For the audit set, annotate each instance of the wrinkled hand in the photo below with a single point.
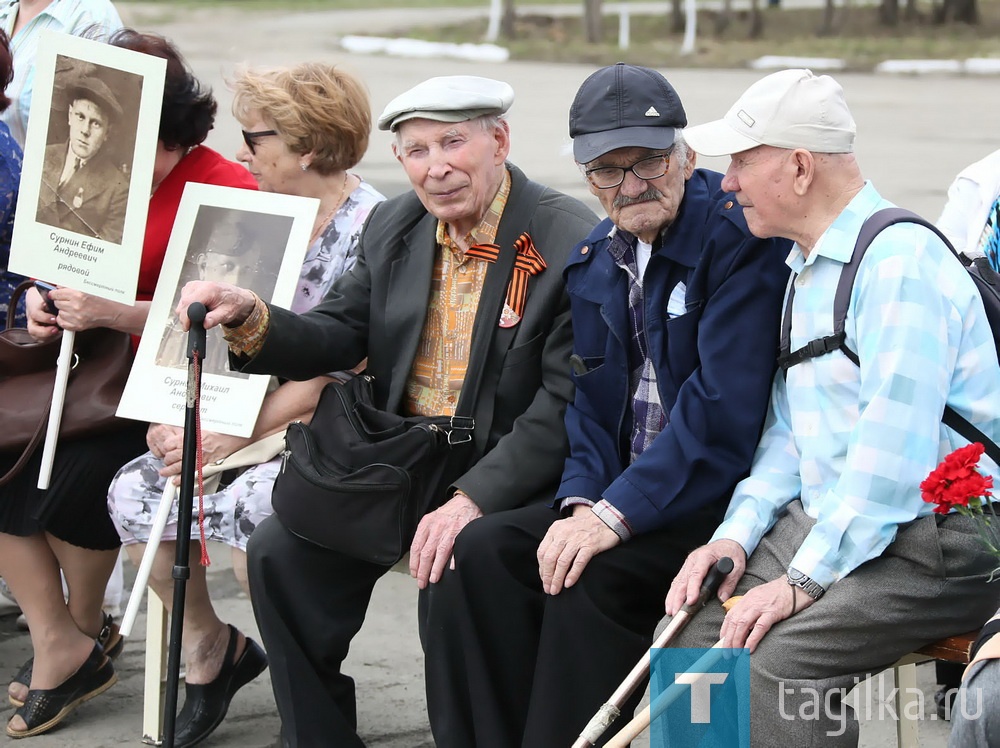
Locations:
(80, 311)
(758, 610)
(435, 538)
(41, 324)
(226, 304)
(568, 547)
(162, 438)
(687, 584)
(167, 444)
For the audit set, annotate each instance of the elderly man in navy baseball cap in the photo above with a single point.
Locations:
(675, 309)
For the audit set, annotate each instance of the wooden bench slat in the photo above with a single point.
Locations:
(953, 648)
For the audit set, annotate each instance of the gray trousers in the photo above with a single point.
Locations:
(975, 718)
(929, 583)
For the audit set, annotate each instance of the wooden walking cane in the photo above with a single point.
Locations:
(611, 710)
(182, 569)
(645, 718)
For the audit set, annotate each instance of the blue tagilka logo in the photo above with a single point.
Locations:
(700, 698)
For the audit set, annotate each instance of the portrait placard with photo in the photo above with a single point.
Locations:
(88, 166)
(250, 239)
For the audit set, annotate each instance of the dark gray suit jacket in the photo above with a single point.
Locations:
(378, 310)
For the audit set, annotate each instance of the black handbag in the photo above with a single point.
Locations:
(358, 479)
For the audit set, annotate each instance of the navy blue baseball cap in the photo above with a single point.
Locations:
(622, 106)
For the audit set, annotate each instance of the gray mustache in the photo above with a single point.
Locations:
(622, 201)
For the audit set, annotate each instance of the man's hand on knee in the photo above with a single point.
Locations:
(435, 538)
(569, 545)
(687, 584)
(758, 610)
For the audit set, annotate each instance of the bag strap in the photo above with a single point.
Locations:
(15, 297)
(872, 227)
(522, 202)
(33, 444)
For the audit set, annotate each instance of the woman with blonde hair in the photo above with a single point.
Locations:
(304, 129)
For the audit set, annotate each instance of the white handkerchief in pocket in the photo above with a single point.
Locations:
(677, 303)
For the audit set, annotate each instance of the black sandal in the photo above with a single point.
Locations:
(110, 639)
(46, 708)
(205, 705)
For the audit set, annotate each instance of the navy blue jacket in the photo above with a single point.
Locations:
(714, 363)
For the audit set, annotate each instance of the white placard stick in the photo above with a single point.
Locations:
(148, 556)
(64, 364)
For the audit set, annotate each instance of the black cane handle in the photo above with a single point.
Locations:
(196, 336)
(710, 586)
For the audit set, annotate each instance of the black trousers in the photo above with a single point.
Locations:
(309, 603)
(507, 665)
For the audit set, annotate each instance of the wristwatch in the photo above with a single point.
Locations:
(797, 579)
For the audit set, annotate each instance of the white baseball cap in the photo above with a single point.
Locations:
(788, 109)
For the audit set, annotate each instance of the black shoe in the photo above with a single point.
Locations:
(205, 706)
(46, 708)
(944, 701)
(110, 639)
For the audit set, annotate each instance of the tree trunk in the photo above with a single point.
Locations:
(960, 11)
(888, 12)
(677, 16)
(826, 29)
(592, 21)
(756, 20)
(722, 18)
(507, 19)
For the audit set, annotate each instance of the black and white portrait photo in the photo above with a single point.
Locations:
(240, 247)
(90, 149)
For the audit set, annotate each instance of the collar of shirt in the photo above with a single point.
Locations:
(485, 231)
(837, 242)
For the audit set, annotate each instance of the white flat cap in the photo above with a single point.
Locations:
(450, 98)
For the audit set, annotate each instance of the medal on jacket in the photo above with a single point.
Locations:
(78, 200)
(508, 317)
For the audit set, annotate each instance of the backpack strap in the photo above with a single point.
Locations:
(872, 227)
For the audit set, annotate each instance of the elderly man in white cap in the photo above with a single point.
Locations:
(411, 306)
(841, 565)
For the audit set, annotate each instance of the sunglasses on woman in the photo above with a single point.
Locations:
(248, 138)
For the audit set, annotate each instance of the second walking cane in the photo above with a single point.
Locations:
(610, 711)
(182, 569)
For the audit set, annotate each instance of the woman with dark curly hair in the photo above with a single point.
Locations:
(10, 176)
(67, 526)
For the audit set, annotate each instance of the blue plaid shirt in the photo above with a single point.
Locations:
(855, 443)
(648, 418)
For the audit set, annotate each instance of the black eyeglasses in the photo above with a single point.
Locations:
(248, 138)
(649, 168)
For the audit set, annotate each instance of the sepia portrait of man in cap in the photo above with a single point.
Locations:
(82, 189)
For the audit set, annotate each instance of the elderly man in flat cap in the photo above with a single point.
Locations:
(82, 189)
(841, 565)
(411, 305)
(675, 309)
